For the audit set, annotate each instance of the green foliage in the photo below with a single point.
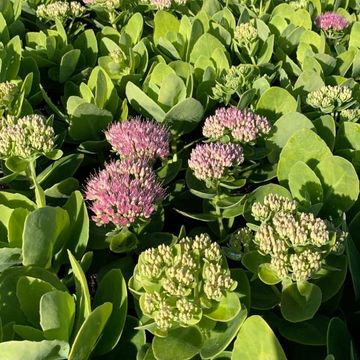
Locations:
(64, 280)
(256, 340)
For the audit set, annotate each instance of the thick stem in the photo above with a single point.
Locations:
(247, 47)
(39, 193)
(112, 18)
(276, 291)
(222, 231)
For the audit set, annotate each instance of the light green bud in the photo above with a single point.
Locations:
(8, 92)
(26, 137)
(186, 276)
(305, 264)
(329, 98)
(245, 33)
(164, 316)
(296, 242)
(352, 115)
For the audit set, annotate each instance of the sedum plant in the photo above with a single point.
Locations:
(139, 139)
(332, 23)
(237, 80)
(236, 126)
(23, 141)
(330, 99)
(214, 162)
(27, 138)
(57, 322)
(106, 10)
(123, 193)
(219, 167)
(292, 248)
(127, 192)
(8, 95)
(182, 283)
(60, 10)
(296, 242)
(164, 4)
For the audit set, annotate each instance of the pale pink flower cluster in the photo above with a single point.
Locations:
(139, 139)
(242, 125)
(165, 4)
(212, 160)
(128, 190)
(331, 21)
(123, 192)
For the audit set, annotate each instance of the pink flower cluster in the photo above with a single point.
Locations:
(242, 125)
(211, 161)
(128, 190)
(123, 192)
(331, 21)
(138, 139)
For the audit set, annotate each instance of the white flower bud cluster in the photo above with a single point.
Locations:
(352, 115)
(245, 33)
(216, 281)
(60, 10)
(164, 4)
(107, 5)
(296, 242)
(237, 79)
(241, 238)
(305, 264)
(329, 98)
(272, 204)
(186, 276)
(339, 244)
(8, 92)
(164, 316)
(117, 55)
(26, 137)
(299, 4)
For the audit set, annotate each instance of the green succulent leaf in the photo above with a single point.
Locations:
(35, 350)
(305, 146)
(226, 310)
(179, 344)
(57, 314)
(90, 332)
(256, 340)
(300, 301)
(112, 288)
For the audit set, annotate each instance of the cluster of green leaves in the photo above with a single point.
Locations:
(63, 280)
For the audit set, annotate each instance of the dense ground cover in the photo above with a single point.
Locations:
(179, 179)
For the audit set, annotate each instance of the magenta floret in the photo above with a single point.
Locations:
(211, 161)
(331, 21)
(123, 192)
(242, 125)
(139, 139)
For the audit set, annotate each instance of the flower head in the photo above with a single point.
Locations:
(299, 4)
(60, 9)
(296, 242)
(124, 192)
(8, 92)
(245, 33)
(178, 281)
(138, 139)
(26, 137)
(352, 115)
(241, 125)
(329, 98)
(108, 5)
(164, 4)
(237, 79)
(331, 21)
(214, 160)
